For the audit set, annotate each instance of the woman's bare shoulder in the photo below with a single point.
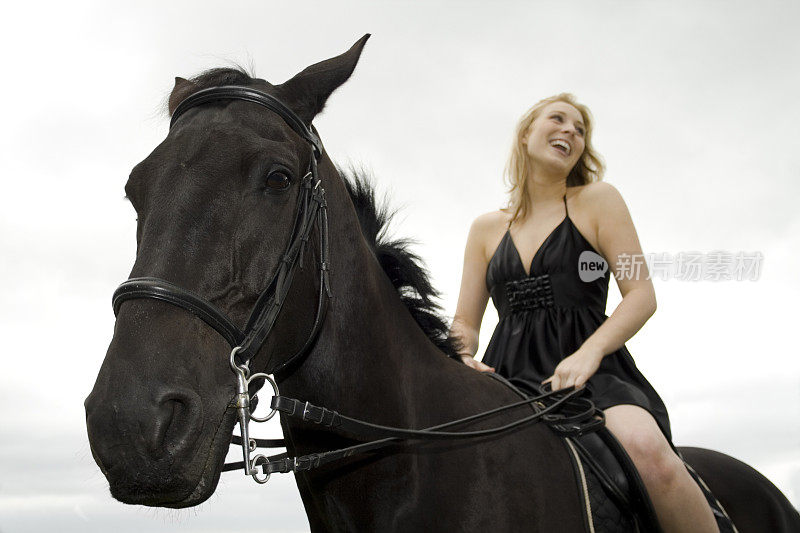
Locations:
(492, 221)
(487, 230)
(595, 190)
(597, 197)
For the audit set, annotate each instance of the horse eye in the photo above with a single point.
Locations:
(278, 181)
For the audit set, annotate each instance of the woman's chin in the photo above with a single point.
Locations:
(555, 165)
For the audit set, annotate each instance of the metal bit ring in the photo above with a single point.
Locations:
(274, 390)
(254, 472)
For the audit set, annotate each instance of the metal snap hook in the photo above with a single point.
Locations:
(243, 369)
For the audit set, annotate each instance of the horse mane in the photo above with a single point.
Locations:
(405, 269)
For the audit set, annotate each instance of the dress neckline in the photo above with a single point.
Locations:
(538, 251)
(541, 246)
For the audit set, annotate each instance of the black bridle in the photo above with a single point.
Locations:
(576, 416)
(311, 208)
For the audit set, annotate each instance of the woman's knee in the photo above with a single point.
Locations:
(657, 464)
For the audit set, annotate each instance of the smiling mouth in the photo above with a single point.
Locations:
(562, 147)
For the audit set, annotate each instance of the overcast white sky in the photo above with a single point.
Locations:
(696, 116)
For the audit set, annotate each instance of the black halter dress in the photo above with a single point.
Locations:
(547, 315)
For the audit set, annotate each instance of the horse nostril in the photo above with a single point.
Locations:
(175, 422)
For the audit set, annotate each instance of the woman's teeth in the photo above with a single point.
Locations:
(560, 145)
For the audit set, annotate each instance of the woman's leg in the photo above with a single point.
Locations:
(678, 501)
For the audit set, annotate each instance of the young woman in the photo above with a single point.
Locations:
(541, 260)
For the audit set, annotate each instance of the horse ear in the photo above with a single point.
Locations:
(180, 91)
(307, 92)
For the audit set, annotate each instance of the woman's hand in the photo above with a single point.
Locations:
(575, 369)
(477, 365)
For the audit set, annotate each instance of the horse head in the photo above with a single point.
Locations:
(217, 205)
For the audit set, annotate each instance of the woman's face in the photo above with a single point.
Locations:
(555, 140)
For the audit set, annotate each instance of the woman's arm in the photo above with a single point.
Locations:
(473, 296)
(616, 238)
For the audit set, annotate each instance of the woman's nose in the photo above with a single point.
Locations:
(569, 129)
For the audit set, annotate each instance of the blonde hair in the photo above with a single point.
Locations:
(589, 168)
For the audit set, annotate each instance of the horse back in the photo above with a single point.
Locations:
(751, 500)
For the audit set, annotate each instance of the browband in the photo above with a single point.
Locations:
(248, 94)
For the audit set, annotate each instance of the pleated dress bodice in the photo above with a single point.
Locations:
(557, 259)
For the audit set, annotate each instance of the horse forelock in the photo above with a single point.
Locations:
(214, 77)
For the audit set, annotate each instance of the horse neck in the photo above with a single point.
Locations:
(370, 349)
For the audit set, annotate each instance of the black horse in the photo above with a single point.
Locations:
(216, 204)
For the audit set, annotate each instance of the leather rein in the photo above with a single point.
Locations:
(576, 415)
